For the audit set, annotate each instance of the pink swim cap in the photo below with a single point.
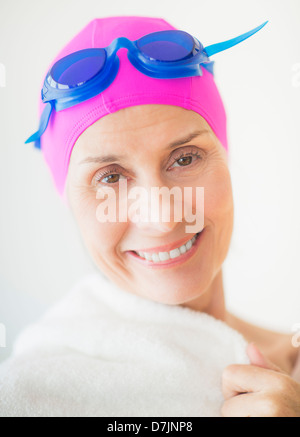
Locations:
(130, 88)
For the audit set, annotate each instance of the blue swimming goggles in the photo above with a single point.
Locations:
(83, 74)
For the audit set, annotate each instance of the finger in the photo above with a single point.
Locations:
(246, 405)
(247, 378)
(258, 359)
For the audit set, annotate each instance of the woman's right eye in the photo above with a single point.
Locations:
(107, 177)
(111, 178)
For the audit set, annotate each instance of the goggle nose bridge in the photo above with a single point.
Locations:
(119, 43)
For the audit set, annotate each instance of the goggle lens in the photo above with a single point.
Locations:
(167, 45)
(73, 70)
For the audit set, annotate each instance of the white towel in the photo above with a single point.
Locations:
(104, 352)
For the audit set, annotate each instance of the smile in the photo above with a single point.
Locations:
(170, 258)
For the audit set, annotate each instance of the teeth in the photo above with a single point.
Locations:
(164, 256)
(146, 255)
(182, 249)
(174, 253)
(155, 257)
(189, 244)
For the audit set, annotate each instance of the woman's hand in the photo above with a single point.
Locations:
(259, 389)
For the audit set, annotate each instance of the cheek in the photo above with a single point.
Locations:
(218, 207)
(218, 200)
(218, 213)
(100, 237)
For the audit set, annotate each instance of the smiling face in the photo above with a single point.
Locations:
(139, 137)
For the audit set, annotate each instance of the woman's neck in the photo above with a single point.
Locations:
(211, 301)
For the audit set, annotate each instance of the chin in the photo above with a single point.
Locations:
(175, 295)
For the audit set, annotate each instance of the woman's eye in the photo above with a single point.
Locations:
(107, 177)
(112, 178)
(186, 160)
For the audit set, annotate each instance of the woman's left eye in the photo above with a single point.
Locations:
(185, 159)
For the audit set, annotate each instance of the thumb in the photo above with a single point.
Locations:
(258, 359)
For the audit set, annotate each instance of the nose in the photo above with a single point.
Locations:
(156, 211)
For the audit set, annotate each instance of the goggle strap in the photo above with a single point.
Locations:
(219, 47)
(43, 125)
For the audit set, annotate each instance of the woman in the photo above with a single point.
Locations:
(156, 338)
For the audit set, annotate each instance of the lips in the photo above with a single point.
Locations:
(164, 260)
(167, 247)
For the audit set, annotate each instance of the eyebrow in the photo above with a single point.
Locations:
(172, 145)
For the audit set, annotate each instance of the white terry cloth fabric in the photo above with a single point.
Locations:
(104, 352)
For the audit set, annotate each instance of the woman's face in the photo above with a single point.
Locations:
(140, 137)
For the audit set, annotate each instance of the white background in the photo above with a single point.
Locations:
(41, 254)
